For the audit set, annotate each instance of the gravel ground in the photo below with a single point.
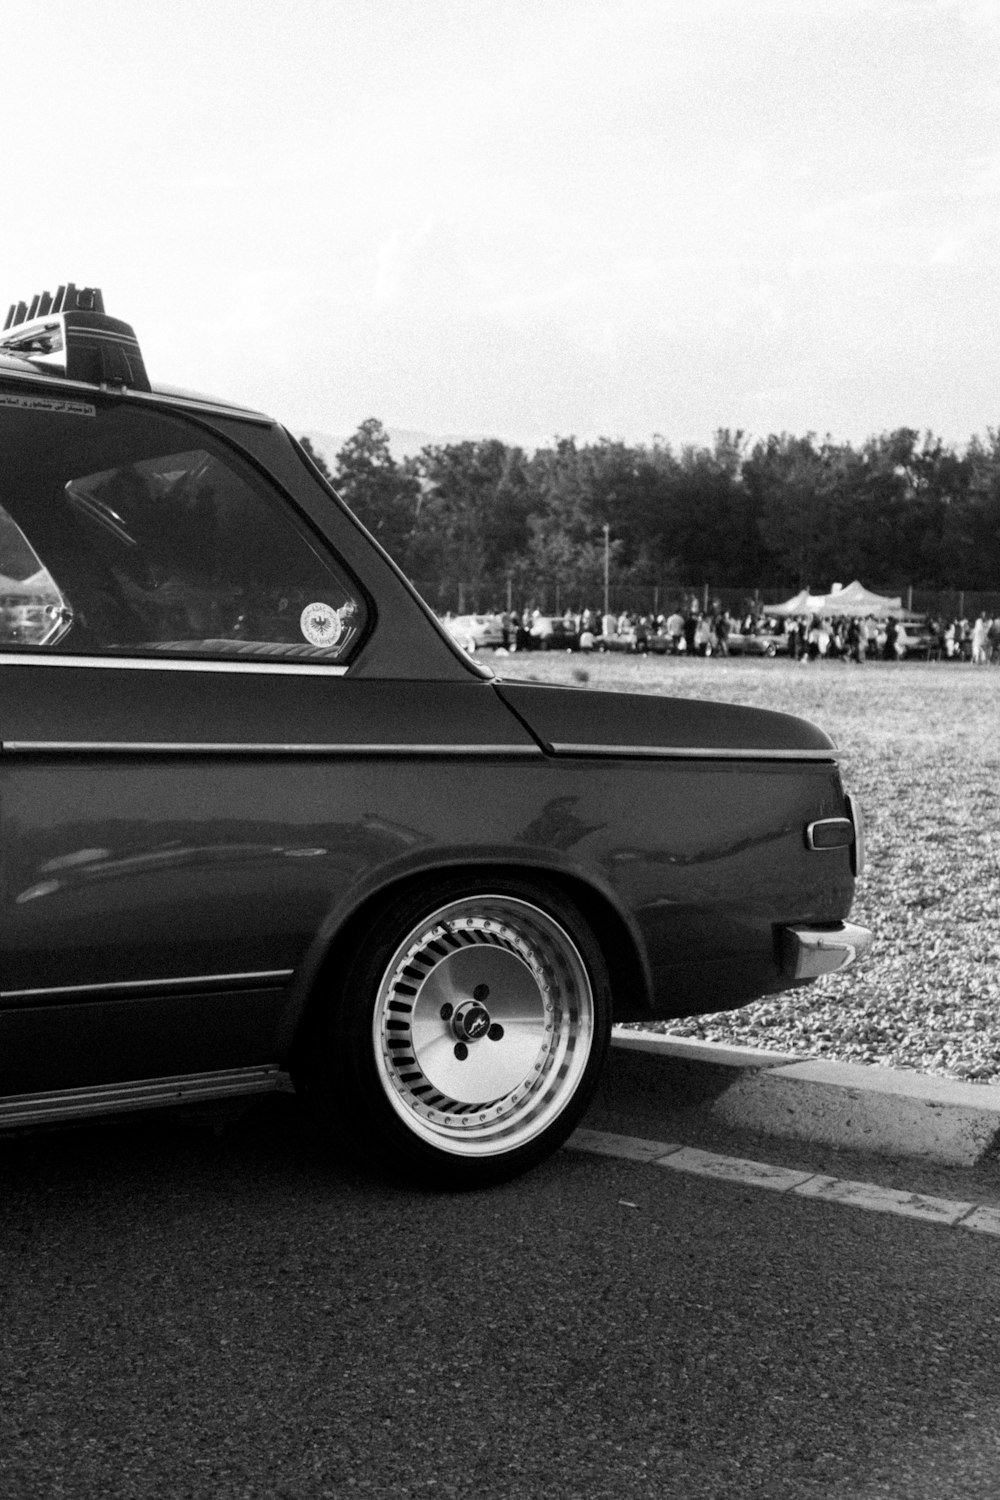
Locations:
(921, 750)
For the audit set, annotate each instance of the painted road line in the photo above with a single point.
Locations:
(735, 1169)
(986, 1220)
(884, 1200)
(867, 1195)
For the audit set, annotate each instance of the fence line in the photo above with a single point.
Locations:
(554, 598)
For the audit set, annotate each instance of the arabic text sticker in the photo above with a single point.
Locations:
(321, 624)
(50, 403)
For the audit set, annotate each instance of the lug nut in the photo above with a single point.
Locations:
(481, 992)
(461, 1051)
(495, 1032)
(447, 1011)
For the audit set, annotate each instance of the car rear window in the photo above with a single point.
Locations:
(129, 531)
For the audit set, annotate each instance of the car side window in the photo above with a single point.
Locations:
(130, 531)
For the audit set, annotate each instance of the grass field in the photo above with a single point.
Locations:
(920, 747)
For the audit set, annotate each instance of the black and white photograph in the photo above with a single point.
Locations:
(500, 750)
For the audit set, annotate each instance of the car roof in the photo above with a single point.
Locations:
(68, 341)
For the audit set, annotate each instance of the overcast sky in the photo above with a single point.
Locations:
(524, 218)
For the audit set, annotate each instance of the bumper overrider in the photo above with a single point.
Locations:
(807, 952)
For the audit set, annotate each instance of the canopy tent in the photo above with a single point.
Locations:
(802, 603)
(855, 599)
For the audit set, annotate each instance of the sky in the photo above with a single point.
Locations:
(526, 218)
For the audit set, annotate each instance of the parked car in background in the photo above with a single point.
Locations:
(631, 641)
(916, 640)
(553, 633)
(261, 817)
(761, 641)
(475, 632)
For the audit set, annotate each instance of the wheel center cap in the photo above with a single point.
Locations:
(470, 1021)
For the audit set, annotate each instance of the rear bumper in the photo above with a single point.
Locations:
(808, 952)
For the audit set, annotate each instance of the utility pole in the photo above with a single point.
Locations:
(607, 559)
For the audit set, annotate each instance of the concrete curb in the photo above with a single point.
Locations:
(882, 1110)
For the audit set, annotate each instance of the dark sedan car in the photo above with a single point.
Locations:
(260, 815)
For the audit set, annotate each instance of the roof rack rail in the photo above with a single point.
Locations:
(71, 335)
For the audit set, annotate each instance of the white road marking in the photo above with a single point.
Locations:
(867, 1195)
(735, 1169)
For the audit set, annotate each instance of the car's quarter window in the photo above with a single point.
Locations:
(32, 610)
(125, 530)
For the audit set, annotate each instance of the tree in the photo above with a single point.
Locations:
(383, 495)
(474, 516)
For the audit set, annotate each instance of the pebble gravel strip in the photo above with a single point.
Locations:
(868, 1195)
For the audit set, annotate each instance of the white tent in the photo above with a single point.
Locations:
(802, 603)
(854, 599)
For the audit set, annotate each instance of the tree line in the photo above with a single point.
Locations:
(475, 523)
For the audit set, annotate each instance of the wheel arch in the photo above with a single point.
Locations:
(628, 970)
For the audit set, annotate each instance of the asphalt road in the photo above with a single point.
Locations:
(186, 1314)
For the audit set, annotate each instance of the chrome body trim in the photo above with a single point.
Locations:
(170, 747)
(158, 986)
(142, 1093)
(690, 752)
(269, 667)
(808, 952)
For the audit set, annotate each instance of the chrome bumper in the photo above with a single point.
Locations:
(808, 952)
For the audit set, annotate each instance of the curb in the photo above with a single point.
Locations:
(886, 1111)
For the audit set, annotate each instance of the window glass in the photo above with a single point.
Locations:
(128, 531)
(32, 610)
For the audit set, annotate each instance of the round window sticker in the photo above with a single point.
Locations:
(321, 624)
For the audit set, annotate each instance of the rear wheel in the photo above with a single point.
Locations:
(467, 1035)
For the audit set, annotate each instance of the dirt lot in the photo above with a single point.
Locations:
(921, 749)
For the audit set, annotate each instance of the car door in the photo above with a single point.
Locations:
(184, 788)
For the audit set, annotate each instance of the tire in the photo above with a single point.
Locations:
(467, 1036)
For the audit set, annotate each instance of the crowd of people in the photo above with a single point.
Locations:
(717, 632)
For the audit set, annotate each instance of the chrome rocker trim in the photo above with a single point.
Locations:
(809, 952)
(143, 1093)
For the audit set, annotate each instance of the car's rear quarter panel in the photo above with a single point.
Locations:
(128, 865)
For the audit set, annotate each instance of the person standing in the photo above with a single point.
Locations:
(980, 636)
(891, 635)
(993, 641)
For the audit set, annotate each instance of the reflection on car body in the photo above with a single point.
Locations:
(260, 815)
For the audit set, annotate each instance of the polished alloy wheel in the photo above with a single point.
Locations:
(483, 1025)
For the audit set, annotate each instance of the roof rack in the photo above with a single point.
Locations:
(71, 335)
